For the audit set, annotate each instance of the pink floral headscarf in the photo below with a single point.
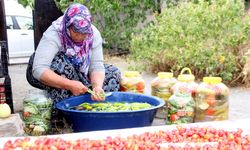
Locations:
(79, 17)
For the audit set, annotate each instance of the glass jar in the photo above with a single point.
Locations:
(212, 100)
(2, 91)
(160, 87)
(185, 83)
(132, 81)
(181, 108)
(37, 113)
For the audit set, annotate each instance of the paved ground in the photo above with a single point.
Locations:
(239, 97)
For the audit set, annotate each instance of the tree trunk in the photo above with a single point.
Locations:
(3, 40)
(45, 12)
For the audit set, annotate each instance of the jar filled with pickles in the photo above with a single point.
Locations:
(185, 83)
(132, 81)
(160, 87)
(37, 109)
(212, 100)
(181, 108)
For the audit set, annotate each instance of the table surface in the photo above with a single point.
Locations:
(243, 124)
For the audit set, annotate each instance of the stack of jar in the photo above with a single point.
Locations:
(212, 100)
(181, 105)
(132, 81)
(186, 101)
(160, 87)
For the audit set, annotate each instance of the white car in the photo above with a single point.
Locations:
(20, 36)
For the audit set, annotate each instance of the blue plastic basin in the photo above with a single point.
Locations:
(91, 121)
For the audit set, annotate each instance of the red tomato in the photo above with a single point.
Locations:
(8, 145)
(140, 86)
(226, 140)
(211, 100)
(26, 114)
(122, 88)
(210, 111)
(173, 117)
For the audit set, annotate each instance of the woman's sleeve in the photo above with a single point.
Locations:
(45, 52)
(96, 60)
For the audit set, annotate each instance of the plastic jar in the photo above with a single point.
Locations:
(132, 81)
(185, 83)
(37, 113)
(160, 87)
(212, 100)
(181, 109)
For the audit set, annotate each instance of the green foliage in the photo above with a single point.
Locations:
(27, 3)
(207, 37)
(115, 19)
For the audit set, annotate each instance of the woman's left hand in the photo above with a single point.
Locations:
(99, 94)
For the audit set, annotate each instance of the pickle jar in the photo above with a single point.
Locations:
(212, 100)
(37, 109)
(132, 81)
(185, 83)
(181, 109)
(160, 87)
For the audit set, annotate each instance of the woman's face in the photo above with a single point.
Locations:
(75, 36)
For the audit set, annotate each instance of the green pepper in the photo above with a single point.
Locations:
(112, 107)
(172, 110)
(173, 103)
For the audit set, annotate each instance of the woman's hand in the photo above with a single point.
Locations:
(97, 78)
(77, 88)
(99, 94)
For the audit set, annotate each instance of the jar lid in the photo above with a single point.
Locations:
(131, 73)
(186, 77)
(212, 80)
(165, 74)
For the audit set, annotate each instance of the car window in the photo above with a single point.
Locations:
(9, 22)
(24, 22)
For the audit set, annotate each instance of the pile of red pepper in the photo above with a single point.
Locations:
(226, 140)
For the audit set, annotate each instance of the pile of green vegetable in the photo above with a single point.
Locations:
(112, 107)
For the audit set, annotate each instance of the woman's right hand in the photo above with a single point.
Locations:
(77, 88)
